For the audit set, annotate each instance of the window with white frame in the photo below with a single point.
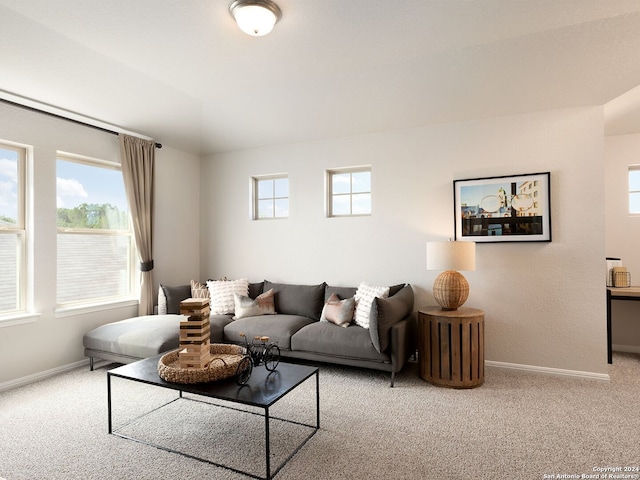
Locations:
(349, 192)
(13, 230)
(95, 247)
(270, 197)
(634, 189)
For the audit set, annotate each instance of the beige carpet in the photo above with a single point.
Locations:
(515, 426)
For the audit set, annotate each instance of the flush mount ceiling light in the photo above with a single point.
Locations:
(255, 17)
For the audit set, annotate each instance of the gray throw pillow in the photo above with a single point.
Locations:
(255, 289)
(385, 313)
(305, 300)
(175, 295)
(393, 289)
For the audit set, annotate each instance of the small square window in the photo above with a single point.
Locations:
(634, 190)
(271, 197)
(634, 202)
(349, 192)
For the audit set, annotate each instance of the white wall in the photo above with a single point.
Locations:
(544, 302)
(52, 342)
(177, 220)
(623, 234)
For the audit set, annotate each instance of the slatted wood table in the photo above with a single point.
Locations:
(451, 346)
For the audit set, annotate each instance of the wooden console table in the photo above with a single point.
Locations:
(619, 293)
(451, 346)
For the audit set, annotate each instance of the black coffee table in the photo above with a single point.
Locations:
(258, 392)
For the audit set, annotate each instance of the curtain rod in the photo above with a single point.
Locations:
(61, 117)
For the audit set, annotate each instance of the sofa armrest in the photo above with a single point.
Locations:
(403, 339)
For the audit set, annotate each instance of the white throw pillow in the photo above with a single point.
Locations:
(364, 296)
(162, 301)
(221, 293)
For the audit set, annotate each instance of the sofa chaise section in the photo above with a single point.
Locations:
(133, 339)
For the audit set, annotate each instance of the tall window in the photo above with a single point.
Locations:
(634, 189)
(270, 197)
(13, 232)
(349, 192)
(95, 239)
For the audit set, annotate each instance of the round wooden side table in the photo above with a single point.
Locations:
(451, 346)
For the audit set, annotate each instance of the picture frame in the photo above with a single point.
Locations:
(510, 208)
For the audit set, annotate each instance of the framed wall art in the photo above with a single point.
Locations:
(514, 208)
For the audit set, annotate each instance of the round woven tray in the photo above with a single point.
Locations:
(224, 362)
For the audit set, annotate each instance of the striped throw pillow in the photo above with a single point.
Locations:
(365, 296)
(221, 293)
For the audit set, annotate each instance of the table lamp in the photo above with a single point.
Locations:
(450, 288)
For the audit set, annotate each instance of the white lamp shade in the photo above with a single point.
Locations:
(451, 256)
(255, 20)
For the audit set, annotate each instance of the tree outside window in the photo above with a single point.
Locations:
(95, 254)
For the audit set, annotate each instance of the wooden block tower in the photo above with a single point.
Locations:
(195, 333)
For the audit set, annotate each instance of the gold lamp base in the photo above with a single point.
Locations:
(450, 289)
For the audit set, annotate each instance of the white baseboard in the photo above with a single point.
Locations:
(18, 382)
(509, 366)
(625, 348)
(604, 377)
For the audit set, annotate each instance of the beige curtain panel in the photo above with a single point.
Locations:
(137, 157)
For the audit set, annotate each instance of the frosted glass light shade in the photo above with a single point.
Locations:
(451, 256)
(255, 17)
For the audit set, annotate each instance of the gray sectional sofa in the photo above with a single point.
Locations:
(299, 328)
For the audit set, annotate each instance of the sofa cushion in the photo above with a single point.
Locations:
(328, 339)
(386, 312)
(279, 328)
(248, 307)
(364, 298)
(173, 296)
(138, 337)
(221, 293)
(305, 300)
(338, 312)
(341, 292)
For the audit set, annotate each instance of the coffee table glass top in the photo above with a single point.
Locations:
(263, 389)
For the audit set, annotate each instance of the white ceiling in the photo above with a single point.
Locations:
(183, 73)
